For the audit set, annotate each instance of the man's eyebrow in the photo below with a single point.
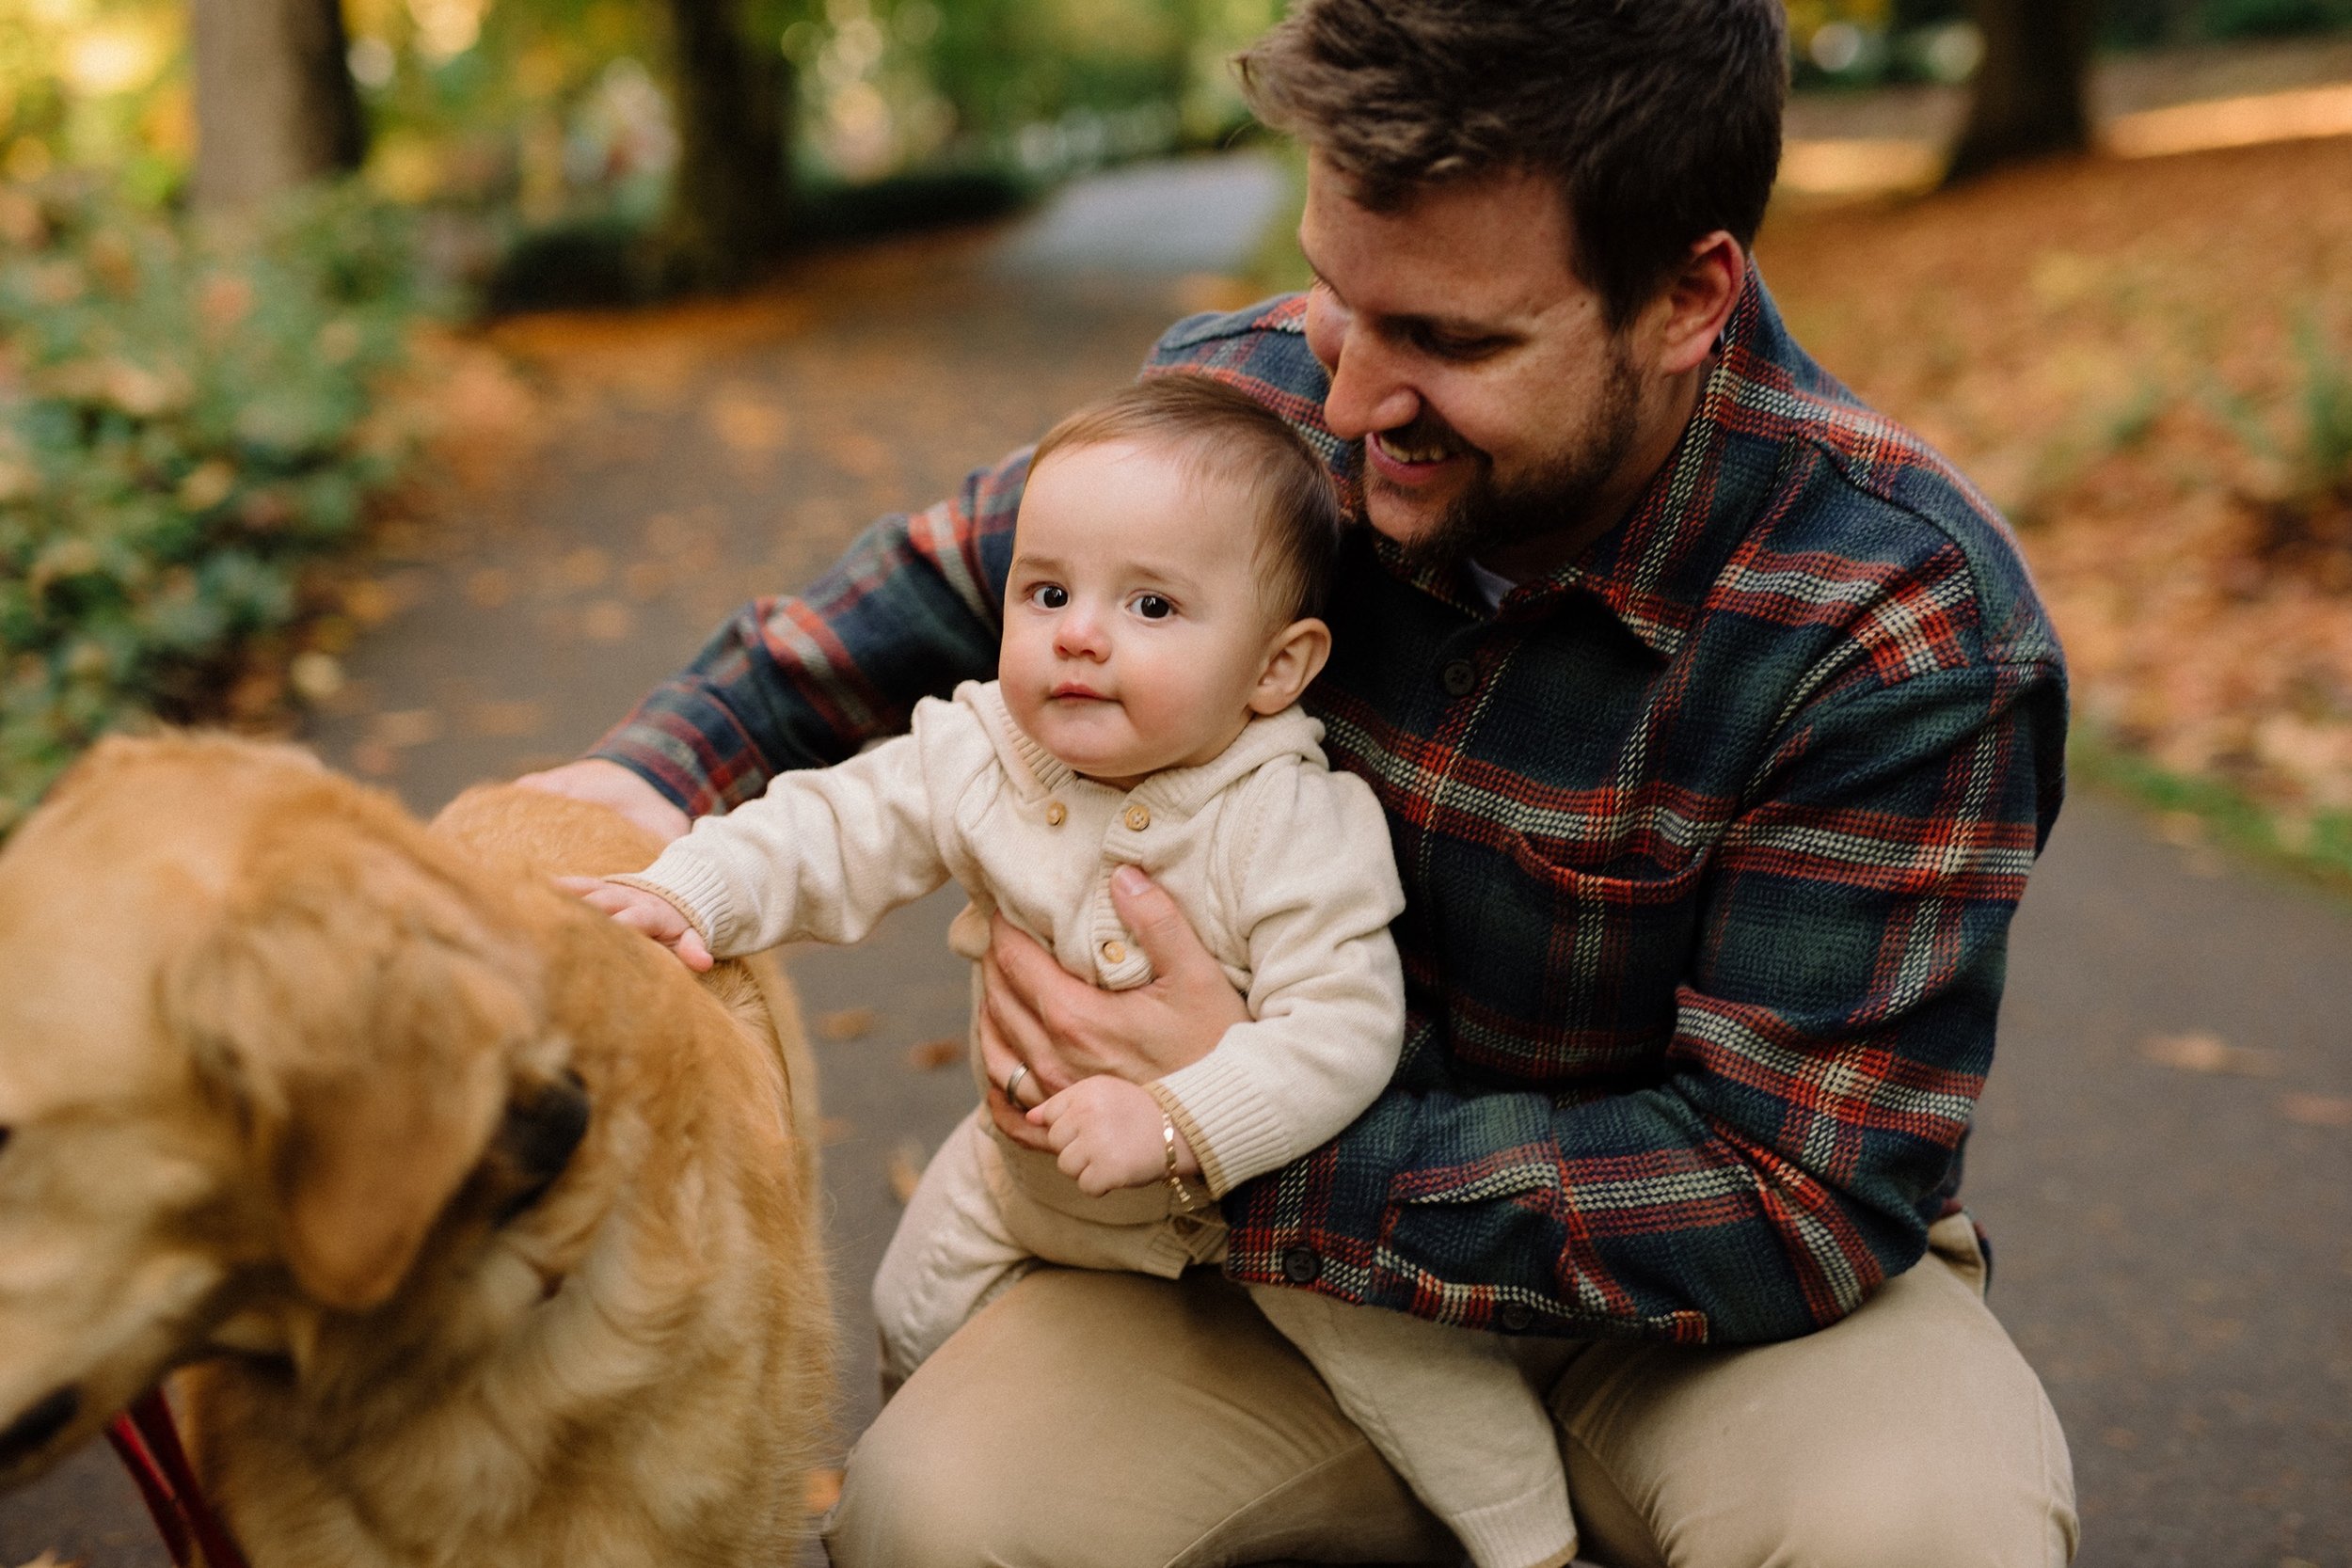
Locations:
(1451, 327)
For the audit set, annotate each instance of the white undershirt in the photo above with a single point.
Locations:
(1491, 586)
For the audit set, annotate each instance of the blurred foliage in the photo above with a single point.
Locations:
(1865, 42)
(542, 111)
(538, 113)
(184, 424)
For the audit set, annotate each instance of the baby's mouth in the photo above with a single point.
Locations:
(1077, 691)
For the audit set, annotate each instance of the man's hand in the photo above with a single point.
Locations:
(1036, 1014)
(608, 784)
(647, 912)
(1110, 1133)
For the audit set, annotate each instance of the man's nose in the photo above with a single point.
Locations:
(1368, 390)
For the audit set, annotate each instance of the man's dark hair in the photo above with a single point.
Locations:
(1222, 431)
(1659, 119)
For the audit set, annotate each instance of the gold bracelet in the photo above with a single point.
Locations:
(1175, 1183)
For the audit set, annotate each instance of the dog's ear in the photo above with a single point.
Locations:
(362, 1017)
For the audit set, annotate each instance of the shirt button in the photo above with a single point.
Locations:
(1459, 677)
(1114, 952)
(1300, 1265)
(1516, 1316)
(1138, 817)
(1056, 814)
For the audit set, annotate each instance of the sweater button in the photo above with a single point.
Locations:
(1300, 1265)
(1056, 814)
(1114, 952)
(1516, 1316)
(1138, 817)
(1459, 677)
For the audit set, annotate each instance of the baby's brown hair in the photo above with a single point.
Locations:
(1226, 433)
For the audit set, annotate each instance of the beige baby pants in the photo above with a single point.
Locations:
(1452, 1410)
(1108, 1421)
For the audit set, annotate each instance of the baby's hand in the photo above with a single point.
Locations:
(648, 912)
(1109, 1134)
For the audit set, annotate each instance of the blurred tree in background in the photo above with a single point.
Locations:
(275, 104)
(2032, 94)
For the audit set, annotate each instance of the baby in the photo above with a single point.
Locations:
(1172, 551)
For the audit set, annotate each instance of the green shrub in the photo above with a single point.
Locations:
(183, 423)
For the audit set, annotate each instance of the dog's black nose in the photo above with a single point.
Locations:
(48, 1417)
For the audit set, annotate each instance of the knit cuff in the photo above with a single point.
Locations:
(691, 885)
(1535, 1530)
(1232, 1127)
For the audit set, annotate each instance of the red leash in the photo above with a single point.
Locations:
(149, 1444)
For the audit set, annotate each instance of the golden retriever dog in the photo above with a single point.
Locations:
(486, 1234)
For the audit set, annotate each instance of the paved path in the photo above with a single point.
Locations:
(2174, 1243)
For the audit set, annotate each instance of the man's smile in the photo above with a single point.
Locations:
(1414, 454)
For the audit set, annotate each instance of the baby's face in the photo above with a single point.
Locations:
(1134, 635)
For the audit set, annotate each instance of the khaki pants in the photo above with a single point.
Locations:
(1108, 1421)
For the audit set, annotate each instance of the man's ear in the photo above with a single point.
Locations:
(1294, 659)
(362, 1019)
(1688, 315)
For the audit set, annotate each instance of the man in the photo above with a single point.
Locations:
(1717, 725)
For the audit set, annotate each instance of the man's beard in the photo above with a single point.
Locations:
(1555, 499)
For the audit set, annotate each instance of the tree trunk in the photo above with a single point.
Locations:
(275, 104)
(2032, 91)
(730, 196)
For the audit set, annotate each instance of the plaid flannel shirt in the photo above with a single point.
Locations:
(1709, 842)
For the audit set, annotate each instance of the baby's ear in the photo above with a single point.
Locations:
(1294, 659)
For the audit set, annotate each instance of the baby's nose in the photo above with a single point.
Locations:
(1079, 633)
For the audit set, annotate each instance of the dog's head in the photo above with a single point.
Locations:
(257, 1030)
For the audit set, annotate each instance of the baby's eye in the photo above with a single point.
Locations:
(1049, 596)
(1153, 607)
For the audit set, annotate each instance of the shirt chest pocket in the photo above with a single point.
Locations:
(1591, 957)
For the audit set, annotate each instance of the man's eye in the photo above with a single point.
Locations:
(1151, 606)
(1049, 596)
(1446, 345)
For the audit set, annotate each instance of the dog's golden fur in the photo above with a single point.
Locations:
(296, 1091)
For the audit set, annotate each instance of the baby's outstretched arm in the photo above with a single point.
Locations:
(647, 912)
(1110, 1133)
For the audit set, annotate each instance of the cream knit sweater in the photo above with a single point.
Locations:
(1282, 866)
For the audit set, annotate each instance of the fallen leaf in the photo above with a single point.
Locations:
(2183, 829)
(857, 454)
(906, 1169)
(645, 579)
(489, 587)
(316, 676)
(584, 568)
(607, 621)
(2317, 1110)
(748, 423)
(834, 1129)
(370, 602)
(376, 759)
(849, 1024)
(2209, 1053)
(821, 1490)
(51, 1560)
(1196, 291)
(406, 727)
(509, 720)
(2119, 1437)
(933, 1054)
